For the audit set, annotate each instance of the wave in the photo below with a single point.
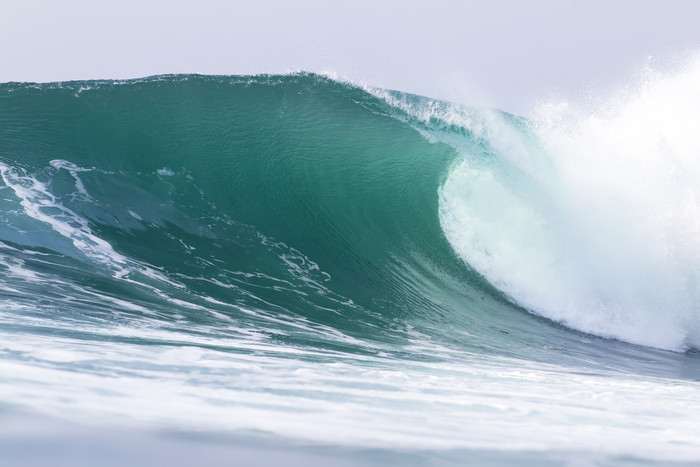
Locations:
(318, 213)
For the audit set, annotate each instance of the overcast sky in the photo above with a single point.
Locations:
(502, 53)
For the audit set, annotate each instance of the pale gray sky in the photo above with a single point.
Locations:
(505, 53)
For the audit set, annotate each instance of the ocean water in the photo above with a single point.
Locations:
(258, 270)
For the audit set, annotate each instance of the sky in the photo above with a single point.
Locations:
(508, 54)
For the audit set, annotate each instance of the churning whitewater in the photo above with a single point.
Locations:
(591, 218)
(345, 265)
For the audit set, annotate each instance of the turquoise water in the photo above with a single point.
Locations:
(347, 267)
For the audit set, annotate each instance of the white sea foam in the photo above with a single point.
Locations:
(40, 204)
(73, 170)
(594, 218)
(366, 402)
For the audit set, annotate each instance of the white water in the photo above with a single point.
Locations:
(593, 218)
(488, 403)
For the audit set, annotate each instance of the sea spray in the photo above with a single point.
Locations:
(605, 236)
